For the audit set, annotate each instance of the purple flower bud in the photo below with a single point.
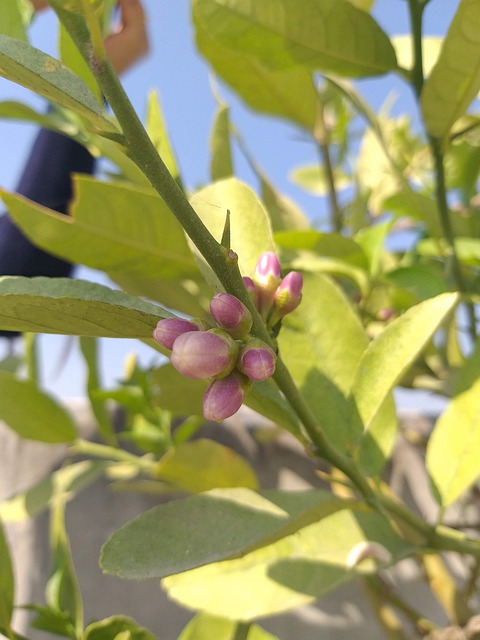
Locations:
(224, 397)
(168, 330)
(252, 290)
(287, 296)
(257, 360)
(204, 354)
(231, 315)
(267, 277)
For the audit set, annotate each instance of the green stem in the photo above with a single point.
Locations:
(242, 631)
(105, 452)
(448, 233)
(322, 138)
(416, 9)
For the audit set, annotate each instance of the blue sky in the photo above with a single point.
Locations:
(182, 80)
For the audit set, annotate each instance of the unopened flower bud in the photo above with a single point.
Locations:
(168, 330)
(231, 315)
(257, 360)
(267, 278)
(204, 354)
(224, 397)
(287, 297)
(252, 290)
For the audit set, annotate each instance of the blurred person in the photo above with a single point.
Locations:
(46, 178)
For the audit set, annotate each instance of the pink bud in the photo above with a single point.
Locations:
(287, 297)
(204, 354)
(168, 330)
(257, 360)
(231, 315)
(252, 290)
(224, 397)
(267, 277)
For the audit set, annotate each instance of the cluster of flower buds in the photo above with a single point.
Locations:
(273, 295)
(225, 352)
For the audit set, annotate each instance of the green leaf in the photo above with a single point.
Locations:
(176, 393)
(265, 398)
(7, 583)
(74, 307)
(205, 627)
(70, 480)
(114, 227)
(62, 591)
(40, 418)
(453, 450)
(71, 57)
(117, 628)
(246, 213)
(321, 343)
(312, 178)
(11, 20)
(158, 133)
(288, 93)
(322, 35)
(221, 164)
(391, 354)
(284, 214)
(153, 545)
(306, 560)
(201, 465)
(455, 79)
(88, 347)
(46, 76)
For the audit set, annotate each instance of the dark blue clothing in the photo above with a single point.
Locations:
(45, 180)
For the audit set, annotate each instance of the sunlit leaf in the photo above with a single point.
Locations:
(201, 465)
(455, 79)
(205, 627)
(157, 131)
(12, 23)
(453, 450)
(246, 213)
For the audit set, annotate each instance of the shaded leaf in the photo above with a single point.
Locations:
(455, 79)
(41, 418)
(7, 584)
(325, 35)
(288, 93)
(153, 545)
(74, 307)
(70, 480)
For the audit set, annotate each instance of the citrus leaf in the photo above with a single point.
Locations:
(74, 307)
(323, 35)
(41, 418)
(455, 79)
